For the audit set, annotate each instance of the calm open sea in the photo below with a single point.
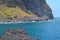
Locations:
(48, 30)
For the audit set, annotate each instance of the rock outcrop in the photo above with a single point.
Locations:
(18, 34)
(38, 8)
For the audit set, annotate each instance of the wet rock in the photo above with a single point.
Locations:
(18, 34)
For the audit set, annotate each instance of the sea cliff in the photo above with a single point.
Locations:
(24, 10)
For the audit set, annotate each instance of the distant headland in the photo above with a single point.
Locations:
(24, 10)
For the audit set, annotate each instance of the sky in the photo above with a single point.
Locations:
(55, 6)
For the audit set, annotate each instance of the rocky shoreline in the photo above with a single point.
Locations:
(18, 34)
(30, 21)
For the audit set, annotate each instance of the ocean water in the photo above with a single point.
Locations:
(47, 30)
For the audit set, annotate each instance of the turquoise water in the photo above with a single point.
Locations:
(49, 30)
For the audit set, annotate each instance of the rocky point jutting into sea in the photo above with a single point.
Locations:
(18, 34)
(24, 10)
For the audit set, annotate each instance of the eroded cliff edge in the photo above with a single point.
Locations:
(25, 10)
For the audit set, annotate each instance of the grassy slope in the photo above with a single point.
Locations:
(6, 12)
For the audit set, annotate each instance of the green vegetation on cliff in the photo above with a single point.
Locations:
(25, 10)
(11, 12)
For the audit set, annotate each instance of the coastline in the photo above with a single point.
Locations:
(14, 22)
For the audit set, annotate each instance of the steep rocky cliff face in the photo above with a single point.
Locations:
(38, 8)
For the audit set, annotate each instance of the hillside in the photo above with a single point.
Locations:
(24, 10)
(9, 13)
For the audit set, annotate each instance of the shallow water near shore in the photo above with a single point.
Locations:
(49, 30)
